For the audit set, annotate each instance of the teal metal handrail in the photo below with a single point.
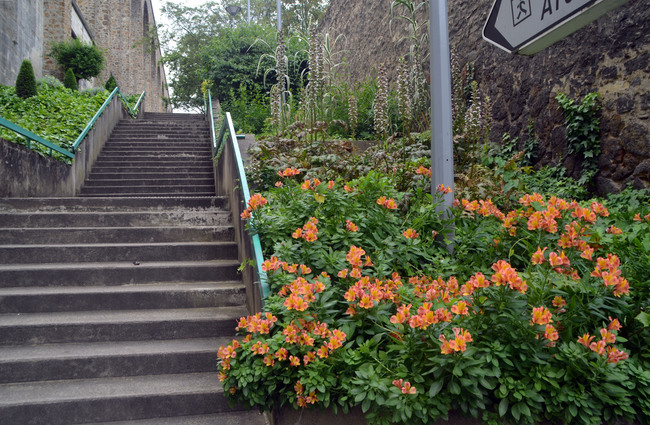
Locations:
(31, 137)
(218, 143)
(91, 123)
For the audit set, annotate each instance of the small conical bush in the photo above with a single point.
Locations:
(25, 81)
(70, 81)
(111, 83)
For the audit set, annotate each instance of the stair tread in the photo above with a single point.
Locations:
(120, 387)
(224, 418)
(116, 265)
(29, 353)
(129, 288)
(121, 316)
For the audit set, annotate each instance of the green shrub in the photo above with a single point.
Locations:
(111, 83)
(25, 81)
(70, 81)
(85, 60)
(50, 81)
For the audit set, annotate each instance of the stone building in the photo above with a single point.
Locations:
(120, 28)
(611, 55)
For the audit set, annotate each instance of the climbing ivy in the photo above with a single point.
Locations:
(582, 124)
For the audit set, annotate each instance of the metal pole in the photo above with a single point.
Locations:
(279, 15)
(249, 12)
(442, 150)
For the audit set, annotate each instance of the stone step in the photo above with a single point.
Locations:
(119, 168)
(152, 181)
(158, 190)
(224, 418)
(113, 219)
(122, 297)
(161, 174)
(134, 147)
(116, 273)
(117, 325)
(118, 252)
(108, 359)
(111, 399)
(137, 194)
(187, 205)
(156, 155)
(62, 235)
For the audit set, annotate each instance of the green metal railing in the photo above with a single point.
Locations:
(31, 137)
(228, 129)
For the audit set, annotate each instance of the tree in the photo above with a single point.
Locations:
(85, 60)
(25, 81)
(70, 81)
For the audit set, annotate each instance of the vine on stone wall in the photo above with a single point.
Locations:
(582, 122)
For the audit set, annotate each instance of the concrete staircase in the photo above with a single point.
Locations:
(113, 305)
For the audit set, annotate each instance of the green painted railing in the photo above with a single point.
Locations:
(91, 123)
(31, 137)
(228, 129)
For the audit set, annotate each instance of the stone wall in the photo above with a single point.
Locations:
(610, 55)
(21, 37)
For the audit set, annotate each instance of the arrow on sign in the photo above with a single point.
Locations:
(528, 26)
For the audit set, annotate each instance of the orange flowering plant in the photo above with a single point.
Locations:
(539, 313)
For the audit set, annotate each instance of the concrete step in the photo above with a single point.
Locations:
(116, 273)
(118, 252)
(224, 418)
(137, 195)
(62, 235)
(111, 399)
(205, 167)
(108, 359)
(113, 204)
(159, 190)
(33, 219)
(148, 156)
(124, 297)
(152, 181)
(162, 174)
(118, 325)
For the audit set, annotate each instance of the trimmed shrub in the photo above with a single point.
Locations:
(70, 81)
(85, 60)
(111, 83)
(25, 81)
(49, 81)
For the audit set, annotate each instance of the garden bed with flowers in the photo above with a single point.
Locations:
(539, 314)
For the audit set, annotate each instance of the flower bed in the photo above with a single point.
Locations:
(540, 314)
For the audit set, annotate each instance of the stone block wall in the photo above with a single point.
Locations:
(21, 37)
(610, 55)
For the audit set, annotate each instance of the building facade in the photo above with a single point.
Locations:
(123, 29)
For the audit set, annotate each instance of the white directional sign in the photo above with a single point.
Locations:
(528, 26)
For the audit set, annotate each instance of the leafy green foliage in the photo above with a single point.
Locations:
(55, 113)
(249, 108)
(86, 60)
(583, 131)
(70, 82)
(25, 81)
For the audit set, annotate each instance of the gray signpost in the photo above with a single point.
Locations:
(528, 26)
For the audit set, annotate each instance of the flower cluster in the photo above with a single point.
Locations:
(505, 274)
(300, 293)
(303, 400)
(458, 343)
(310, 184)
(308, 232)
(256, 201)
(405, 386)
(608, 270)
(601, 347)
(422, 170)
(350, 226)
(388, 203)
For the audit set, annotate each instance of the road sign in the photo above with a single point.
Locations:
(528, 26)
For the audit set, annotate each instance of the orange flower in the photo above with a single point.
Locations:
(281, 354)
(541, 316)
(366, 302)
(298, 388)
(614, 325)
(410, 233)
(423, 171)
(330, 184)
(323, 352)
(538, 256)
(587, 253)
(343, 273)
(586, 340)
(558, 301)
(294, 361)
(279, 184)
(408, 388)
(257, 201)
(460, 308)
(607, 336)
(551, 334)
(614, 230)
(598, 347)
(637, 217)
(443, 189)
(246, 214)
(614, 355)
(350, 226)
